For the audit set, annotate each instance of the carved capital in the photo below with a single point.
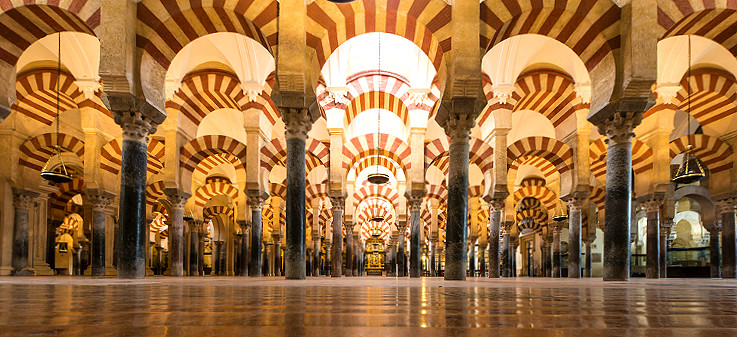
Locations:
(415, 203)
(298, 122)
(726, 205)
(349, 225)
(338, 203)
(256, 202)
(458, 127)
(99, 200)
(576, 202)
(652, 202)
(177, 198)
(136, 116)
(23, 199)
(496, 205)
(619, 127)
(557, 227)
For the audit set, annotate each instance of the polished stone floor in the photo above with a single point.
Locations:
(370, 306)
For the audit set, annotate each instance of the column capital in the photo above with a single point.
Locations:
(99, 199)
(496, 205)
(243, 224)
(23, 199)
(665, 231)
(136, 116)
(256, 202)
(556, 227)
(176, 197)
(576, 200)
(415, 203)
(338, 203)
(458, 127)
(349, 225)
(726, 205)
(652, 202)
(197, 225)
(619, 127)
(298, 122)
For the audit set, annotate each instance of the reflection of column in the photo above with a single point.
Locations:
(257, 203)
(618, 129)
(574, 236)
(22, 200)
(415, 228)
(729, 254)
(336, 263)
(665, 228)
(652, 259)
(495, 218)
(714, 260)
(176, 230)
(556, 250)
(99, 201)
(458, 128)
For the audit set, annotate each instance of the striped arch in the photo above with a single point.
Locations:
(540, 216)
(598, 197)
(268, 214)
(369, 211)
(532, 181)
(279, 190)
(59, 199)
(158, 224)
(71, 222)
(369, 161)
(642, 158)
(528, 224)
(435, 149)
(437, 192)
(35, 152)
(215, 187)
(312, 191)
(549, 92)
(203, 92)
(589, 28)
(200, 148)
(208, 164)
(715, 153)
(212, 211)
(382, 191)
(111, 156)
(713, 95)
(377, 100)
(24, 22)
(557, 153)
(369, 229)
(159, 208)
(154, 192)
(374, 81)
(425, 23)
(274, 153)
(546, 167)
(165, 28)
(362, 146)
(545, 195)
(714, 20)
(480, 154)
(36, 93)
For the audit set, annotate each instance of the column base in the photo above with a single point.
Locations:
(43, 270)
(111, 271)
(5, 271)
(23, 272)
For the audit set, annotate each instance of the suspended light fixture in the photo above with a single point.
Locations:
(378, 178)
(57, 173)
(377, 218)
(691, 169)
(561, 213)
(341, 1)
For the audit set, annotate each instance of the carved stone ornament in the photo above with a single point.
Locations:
(619, 127)
(496, 205)
(23, 199)
(458, 127)
(337, 203)
(298, 122)
(99, 200)
(177, 198)
(135, 127)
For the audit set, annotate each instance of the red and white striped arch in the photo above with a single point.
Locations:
(59, 199)
(542, 193)
(480, 154)
(545, 166)
(194, 152)
(164, 28)
(70, 222)
(313, 191)
(424, 22)
(377, 100)
(539, 215)
(158, 223)
(598, 197)
(715, 153)
(371, 228)
(24, 22)
(589, 28)
(154, 192)
(208, 164)
(395, 84)
(380, 191)
(642, 158)
(549, 92)
(274, 153)
(714, 20)
(556, 152)
(362, 146)
(385, 162)
(212, 211)
(111, 156)
(35, 152)
(278, 189)
(437, 192)
(713, 95)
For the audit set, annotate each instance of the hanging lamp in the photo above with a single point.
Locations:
(378, 178)
(691, 169)
(377, 218)
(341, 1)
(561, 213)
(53, 173)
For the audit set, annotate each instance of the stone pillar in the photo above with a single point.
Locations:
(495, 219)
(415, 244)
(433, 256)
(618, 129)
(245, 240)
(255, 267)
(316, 255)
(482, 261)
(652, 211)
(514, 244)
(176, 230)
(277, 255)
(714, 259)
(665, 228)
(389, 260)
(544, 256)
(22, 201)
(729, 255)
(556, 250)
(356, 253)
(194, 248)
(328, 262)
(506, 259)
(348, 248)
(587, 267)
(336, 263)
(458, 128)
(215, 257)
(574, 236)
(298, 122)
(132, 227)
(400, 254)
(99, 201)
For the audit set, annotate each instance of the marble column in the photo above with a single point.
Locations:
(415, 244)
(328, 266)
(714, 260)
(729, 255)
(514, 244)
(495, 219)
(433, 257)
(348, 248)
(556, 250)
(472, 257)
(618, 129)
(132, 227)
(665, 228)
(400, 255)
(194, 247)
(99, 201)
(298, 122)
(255, 267)
(652, 257)
(482, 261)
(356, 253)
(336, 263)
(389, 260)
(215, 257)
(316, 255)
(457, 127)
(543, 256)
(506, 259)
(177, 199)
(277, 255)
(22, 201)
(574, 236)
(587, 265)
(245, 246)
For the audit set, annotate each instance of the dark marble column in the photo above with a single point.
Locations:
(544, 256)
(714, 259)
(201, 254)
(356, 253)
(574, 236)
(495, 219)
(177, 199)
(457, 127)
(415, 229)
(255, 267)
(388, 261)
(328, 266)
(224, 257)
(665, 228)
(22, 202)
(349, 256)
(400, 255)
(729, 254)
(514, 244)
(652, 211)
(245, 247)
(316, 255)
(215, 257)
(472, 257)
(194, 247)
(618, 129)
(298, 122)
(433, 257)
(482, 261)
(506, 259)
(336, 263)
(587, 265)
(277, 255)
(556, 250)
(132, 227)
(99, 200)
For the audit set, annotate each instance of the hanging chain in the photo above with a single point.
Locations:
(378, 120)
(58, 89)
(688, 89)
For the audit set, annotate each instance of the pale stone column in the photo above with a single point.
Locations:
(415, 244)
(400, 254)
(327, 266)
(257, 203)
(495, 219)
(433, 256)
(99, 201)
(316, 255)
(356, 254)
(506, 258)
(544, 256)
(458, 128)
(43, 242)
(389, 261)
(729, 254)
(514, 244)
(276, 238)
(349, 256)
(177, 199)
(22, 201)
(336, 263)
(618, 129)
(587, 266)
(665, 228)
